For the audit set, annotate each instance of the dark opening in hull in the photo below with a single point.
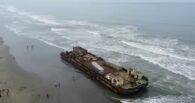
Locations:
(117, 79)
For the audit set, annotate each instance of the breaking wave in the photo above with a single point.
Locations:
(168, 53)
(45, 19)
(156, 50)
(163, 99)
(175, 63)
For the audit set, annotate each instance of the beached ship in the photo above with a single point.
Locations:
(116, 78)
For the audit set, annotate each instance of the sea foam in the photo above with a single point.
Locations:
(159, 56)
(118, 38)
(163, 99)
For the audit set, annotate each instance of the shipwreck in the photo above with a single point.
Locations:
(116, 78)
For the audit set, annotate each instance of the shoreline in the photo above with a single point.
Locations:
(17, 85)
(44, 61)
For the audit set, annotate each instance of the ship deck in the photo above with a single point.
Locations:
(106, 68)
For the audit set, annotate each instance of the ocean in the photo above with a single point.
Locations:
(156, 38)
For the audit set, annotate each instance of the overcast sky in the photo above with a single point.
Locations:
(144, 0)
(83, 1)
(106, 0)
(131, 0)
(161, 0)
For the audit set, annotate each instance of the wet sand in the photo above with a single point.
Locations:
(19, 86)
(43, 62)
(42, 65)
(37, 65)
(42, 70)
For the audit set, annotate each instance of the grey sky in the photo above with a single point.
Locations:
(83, 1)
(110, 0)
(160, 0)
(129, 0)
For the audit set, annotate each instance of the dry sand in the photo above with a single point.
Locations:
(19, 86)
(43, 61)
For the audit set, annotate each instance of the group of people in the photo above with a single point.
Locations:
(57, 85)
(4, 92)
(46, 94)
(29, 47)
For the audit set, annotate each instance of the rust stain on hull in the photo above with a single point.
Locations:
(116, 78)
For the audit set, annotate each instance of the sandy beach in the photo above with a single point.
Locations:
(154, 38)
(41, 71)
(31, 69)
(17, 85)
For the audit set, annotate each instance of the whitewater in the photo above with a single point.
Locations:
(170, 54)
(118, 44)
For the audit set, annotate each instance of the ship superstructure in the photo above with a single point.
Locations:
(116, 78)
